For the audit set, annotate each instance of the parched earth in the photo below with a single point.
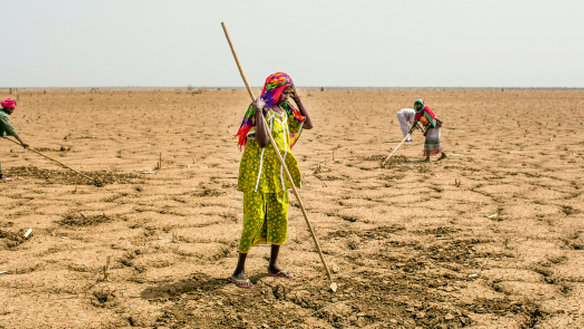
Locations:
(492, 237)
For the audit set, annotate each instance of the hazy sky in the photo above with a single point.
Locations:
(446, 43)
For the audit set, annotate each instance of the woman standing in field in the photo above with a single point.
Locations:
(8, 106)
(261, 175)
(432, 126)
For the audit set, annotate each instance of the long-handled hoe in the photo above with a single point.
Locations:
(400, 144)
(94, 180)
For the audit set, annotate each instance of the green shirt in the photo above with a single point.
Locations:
(6, 125)
(260, 170)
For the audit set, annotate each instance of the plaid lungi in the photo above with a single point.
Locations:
(432, 144)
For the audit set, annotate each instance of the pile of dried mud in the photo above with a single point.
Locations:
(11, 239)
(81, 219)
(394, 161)
(68, 177)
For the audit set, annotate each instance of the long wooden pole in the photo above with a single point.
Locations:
(55, 160)
(237, 62)
(251, 95)
(383, 164)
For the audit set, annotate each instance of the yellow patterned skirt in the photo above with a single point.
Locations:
(265, 219)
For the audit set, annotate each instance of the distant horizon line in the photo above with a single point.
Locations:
(307, 87)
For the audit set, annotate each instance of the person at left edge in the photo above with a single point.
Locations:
(8, 107)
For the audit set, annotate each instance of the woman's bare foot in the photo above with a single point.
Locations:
(277, 271)
(4, 179)
(427, 160)
(241, 280)
(274, 269)
(444, 156)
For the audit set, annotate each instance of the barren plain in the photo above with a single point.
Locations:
(490, 238)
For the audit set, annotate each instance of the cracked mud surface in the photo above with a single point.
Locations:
(409, 247)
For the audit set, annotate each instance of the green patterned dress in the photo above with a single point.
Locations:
(6, 128)
(264, 184)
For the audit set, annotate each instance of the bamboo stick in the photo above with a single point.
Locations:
(237, 62)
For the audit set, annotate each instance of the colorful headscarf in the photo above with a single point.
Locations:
(10, 103)
(421, 102)
(273, 87)
(427, 113)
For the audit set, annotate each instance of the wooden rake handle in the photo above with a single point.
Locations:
(55, 160)
(252, 96)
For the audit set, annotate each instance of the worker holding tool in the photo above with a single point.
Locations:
(406, 122)
(432, 126)
(273, 84)
(8, 107)
(261, 175)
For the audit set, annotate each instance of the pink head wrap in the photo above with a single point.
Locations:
(275, 84)
(8, 103)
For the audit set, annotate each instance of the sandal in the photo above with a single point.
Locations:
(6, 180)
(243, 284)
(282, 274)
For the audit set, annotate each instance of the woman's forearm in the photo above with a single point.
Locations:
(413, 127)
(21, 141)
(308, 122)
(261, 136)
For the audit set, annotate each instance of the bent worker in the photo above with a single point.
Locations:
(261, 175)
(8, 107)
(406, 120)
(432, 126)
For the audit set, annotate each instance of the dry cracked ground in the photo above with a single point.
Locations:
(492, 237)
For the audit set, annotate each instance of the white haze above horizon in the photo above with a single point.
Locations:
(450, 43)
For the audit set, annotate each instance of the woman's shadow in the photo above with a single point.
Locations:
(198, 282)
